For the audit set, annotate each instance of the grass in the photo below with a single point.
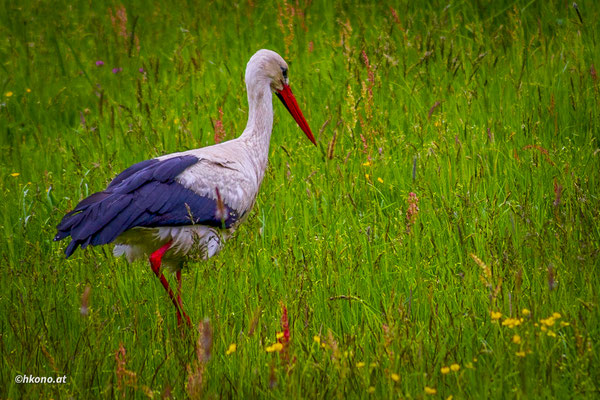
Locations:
(489, 112)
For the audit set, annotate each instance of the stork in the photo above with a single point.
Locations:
(183, 205)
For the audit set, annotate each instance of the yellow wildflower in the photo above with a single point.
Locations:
(28, 90)
(563, 323)
(367, 164)
(279, 335)
(455, 367)
(317, 339)
(496, 315)
(511, 322)
(15, 174)
(449, 397)
(551, 333)
(430, 390)
(232, 348)
(275, 347)
(176, 121)
(379, 180)
(543, 328)
(367, 176)
(445, 370)
(371, 389)
(360, 364)
(395, 377)
(8, 94)
(516, 339)
(520, 354)
(548, 321)
(525, 312)
(556, 315)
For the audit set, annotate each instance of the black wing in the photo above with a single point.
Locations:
(144, 195)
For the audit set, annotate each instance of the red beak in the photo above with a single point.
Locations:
(289, 101)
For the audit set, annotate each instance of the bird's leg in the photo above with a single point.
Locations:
(155, 263)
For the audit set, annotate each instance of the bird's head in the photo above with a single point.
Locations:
(268, 67)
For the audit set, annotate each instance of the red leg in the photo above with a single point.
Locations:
(155, 263)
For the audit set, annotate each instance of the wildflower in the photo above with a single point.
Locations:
(373, 365)
(445, 370)
(548, 321)
(176, 121)
(317, 339)
(395, 377)
(563, 323)
(275, 347)
(455, 367)
(556, 315)
(496, 315)
(279, 335)
(8, 94)
(99, 63)
(371, 389)
(511, 322)
(430, 390)
(28, 90)
(15, 174)
(449, 397)
(285, 326)
(516, 339)
(232, 348)
(117, 70)
(141, 70)
(413, 207)
(520, 354)
(543, 328)
(219, 128)
(525, 312)
(379, 180)
(367, 176)
(367, 164)
(360, 364)
(551, 333)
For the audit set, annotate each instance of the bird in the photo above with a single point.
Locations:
(184, 206)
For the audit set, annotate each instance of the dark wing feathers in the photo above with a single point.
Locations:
(130, 171)
(144, 195)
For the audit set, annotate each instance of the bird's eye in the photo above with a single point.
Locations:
(284, 72)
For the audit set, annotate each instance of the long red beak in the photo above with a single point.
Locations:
(289, 101)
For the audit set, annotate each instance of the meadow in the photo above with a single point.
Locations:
(441, 241)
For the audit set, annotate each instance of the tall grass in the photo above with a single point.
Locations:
(442, 240)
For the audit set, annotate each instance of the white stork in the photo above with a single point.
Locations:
(187, 204)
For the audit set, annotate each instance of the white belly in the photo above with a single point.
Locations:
(189, 242)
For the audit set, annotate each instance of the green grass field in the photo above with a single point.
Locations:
(484, 285)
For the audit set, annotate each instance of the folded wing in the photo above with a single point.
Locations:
(144, 195)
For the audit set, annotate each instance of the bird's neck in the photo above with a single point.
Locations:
(257, 134)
